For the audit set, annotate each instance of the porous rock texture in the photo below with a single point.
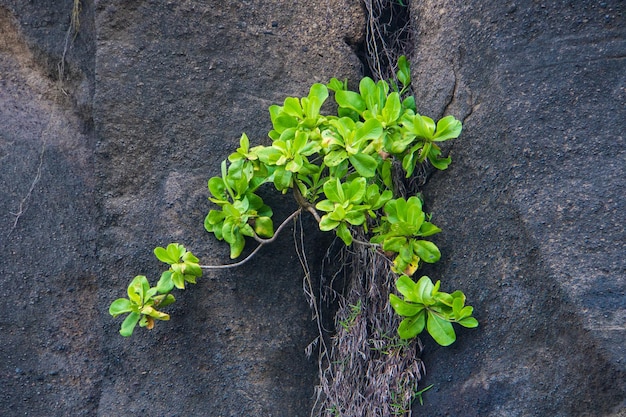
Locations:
(110, 159)
(532, 207)
(107, 156)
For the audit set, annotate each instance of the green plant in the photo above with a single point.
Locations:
(340, 164)
(425, 306)
(355, 310)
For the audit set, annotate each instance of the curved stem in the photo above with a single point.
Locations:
(262, 242)
(302, 202)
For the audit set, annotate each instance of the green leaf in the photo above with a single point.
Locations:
(165, 283)
(370, 130)
(179, 280)
(469, 322)
(427, 251)
(447, 128)
(334, 191)
(422, 126)
(350, 100)
(423, 291)
(428, 229)
(410, 327)
(336, 85)
(164, 255)
(264, 227)
(335, 157)
(218, 189)
(344, 234)
(406, 286)
(164, 300)
(175, 251)
(441, 330)
(325, 205)
(292, 107)
(403, 308)
(120, 306)
(355, 218)
(404, 71)
(326, 224)
(137, 289)
(313, 103)
(364, 164)
(128, 325)
(391, 111)
(394, 244)
(236, 247)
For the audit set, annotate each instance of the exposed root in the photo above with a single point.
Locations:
(370, 372)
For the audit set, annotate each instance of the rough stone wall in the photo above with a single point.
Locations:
(532, 206)
(152, 97)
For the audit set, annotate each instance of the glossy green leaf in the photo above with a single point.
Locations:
(313, 102)
(350, 100)
(364, 164)
(404, 71)
(344, 234)
(236, 247)
(355, 218)
(264, 227)
(447, 128)
(179, 280)
(137, 289)
(469, 322)
(441, 330)
(164, 255)
(392, 110)
(370, 130)
(165, 283)
(423, 291)
(120, 306)
(403, 308)
(407, 287)
(427, 251)
(326, 224)
(428, 229)
(334, 191)
(128, 325)
(410, 327)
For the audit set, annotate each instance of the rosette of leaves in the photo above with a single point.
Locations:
(424, 306)
(343, 206)
(242, 212)
(421, 136)
(143, 300)
(141, 305)
(184, 267)
(399, 232)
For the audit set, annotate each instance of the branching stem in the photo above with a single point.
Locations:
(262, 242)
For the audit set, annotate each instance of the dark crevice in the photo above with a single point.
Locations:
(388, 35)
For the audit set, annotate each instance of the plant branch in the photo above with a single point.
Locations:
(302, 202)
(262, 242)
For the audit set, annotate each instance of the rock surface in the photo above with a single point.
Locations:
(532, 207)
(107, 156)
(154, 95)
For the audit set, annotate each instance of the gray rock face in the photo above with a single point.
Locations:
(532, 207)
(107, 156)
(153, 97)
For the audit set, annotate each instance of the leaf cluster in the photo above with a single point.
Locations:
(143, 300)
(340, 164)
(425, 306)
